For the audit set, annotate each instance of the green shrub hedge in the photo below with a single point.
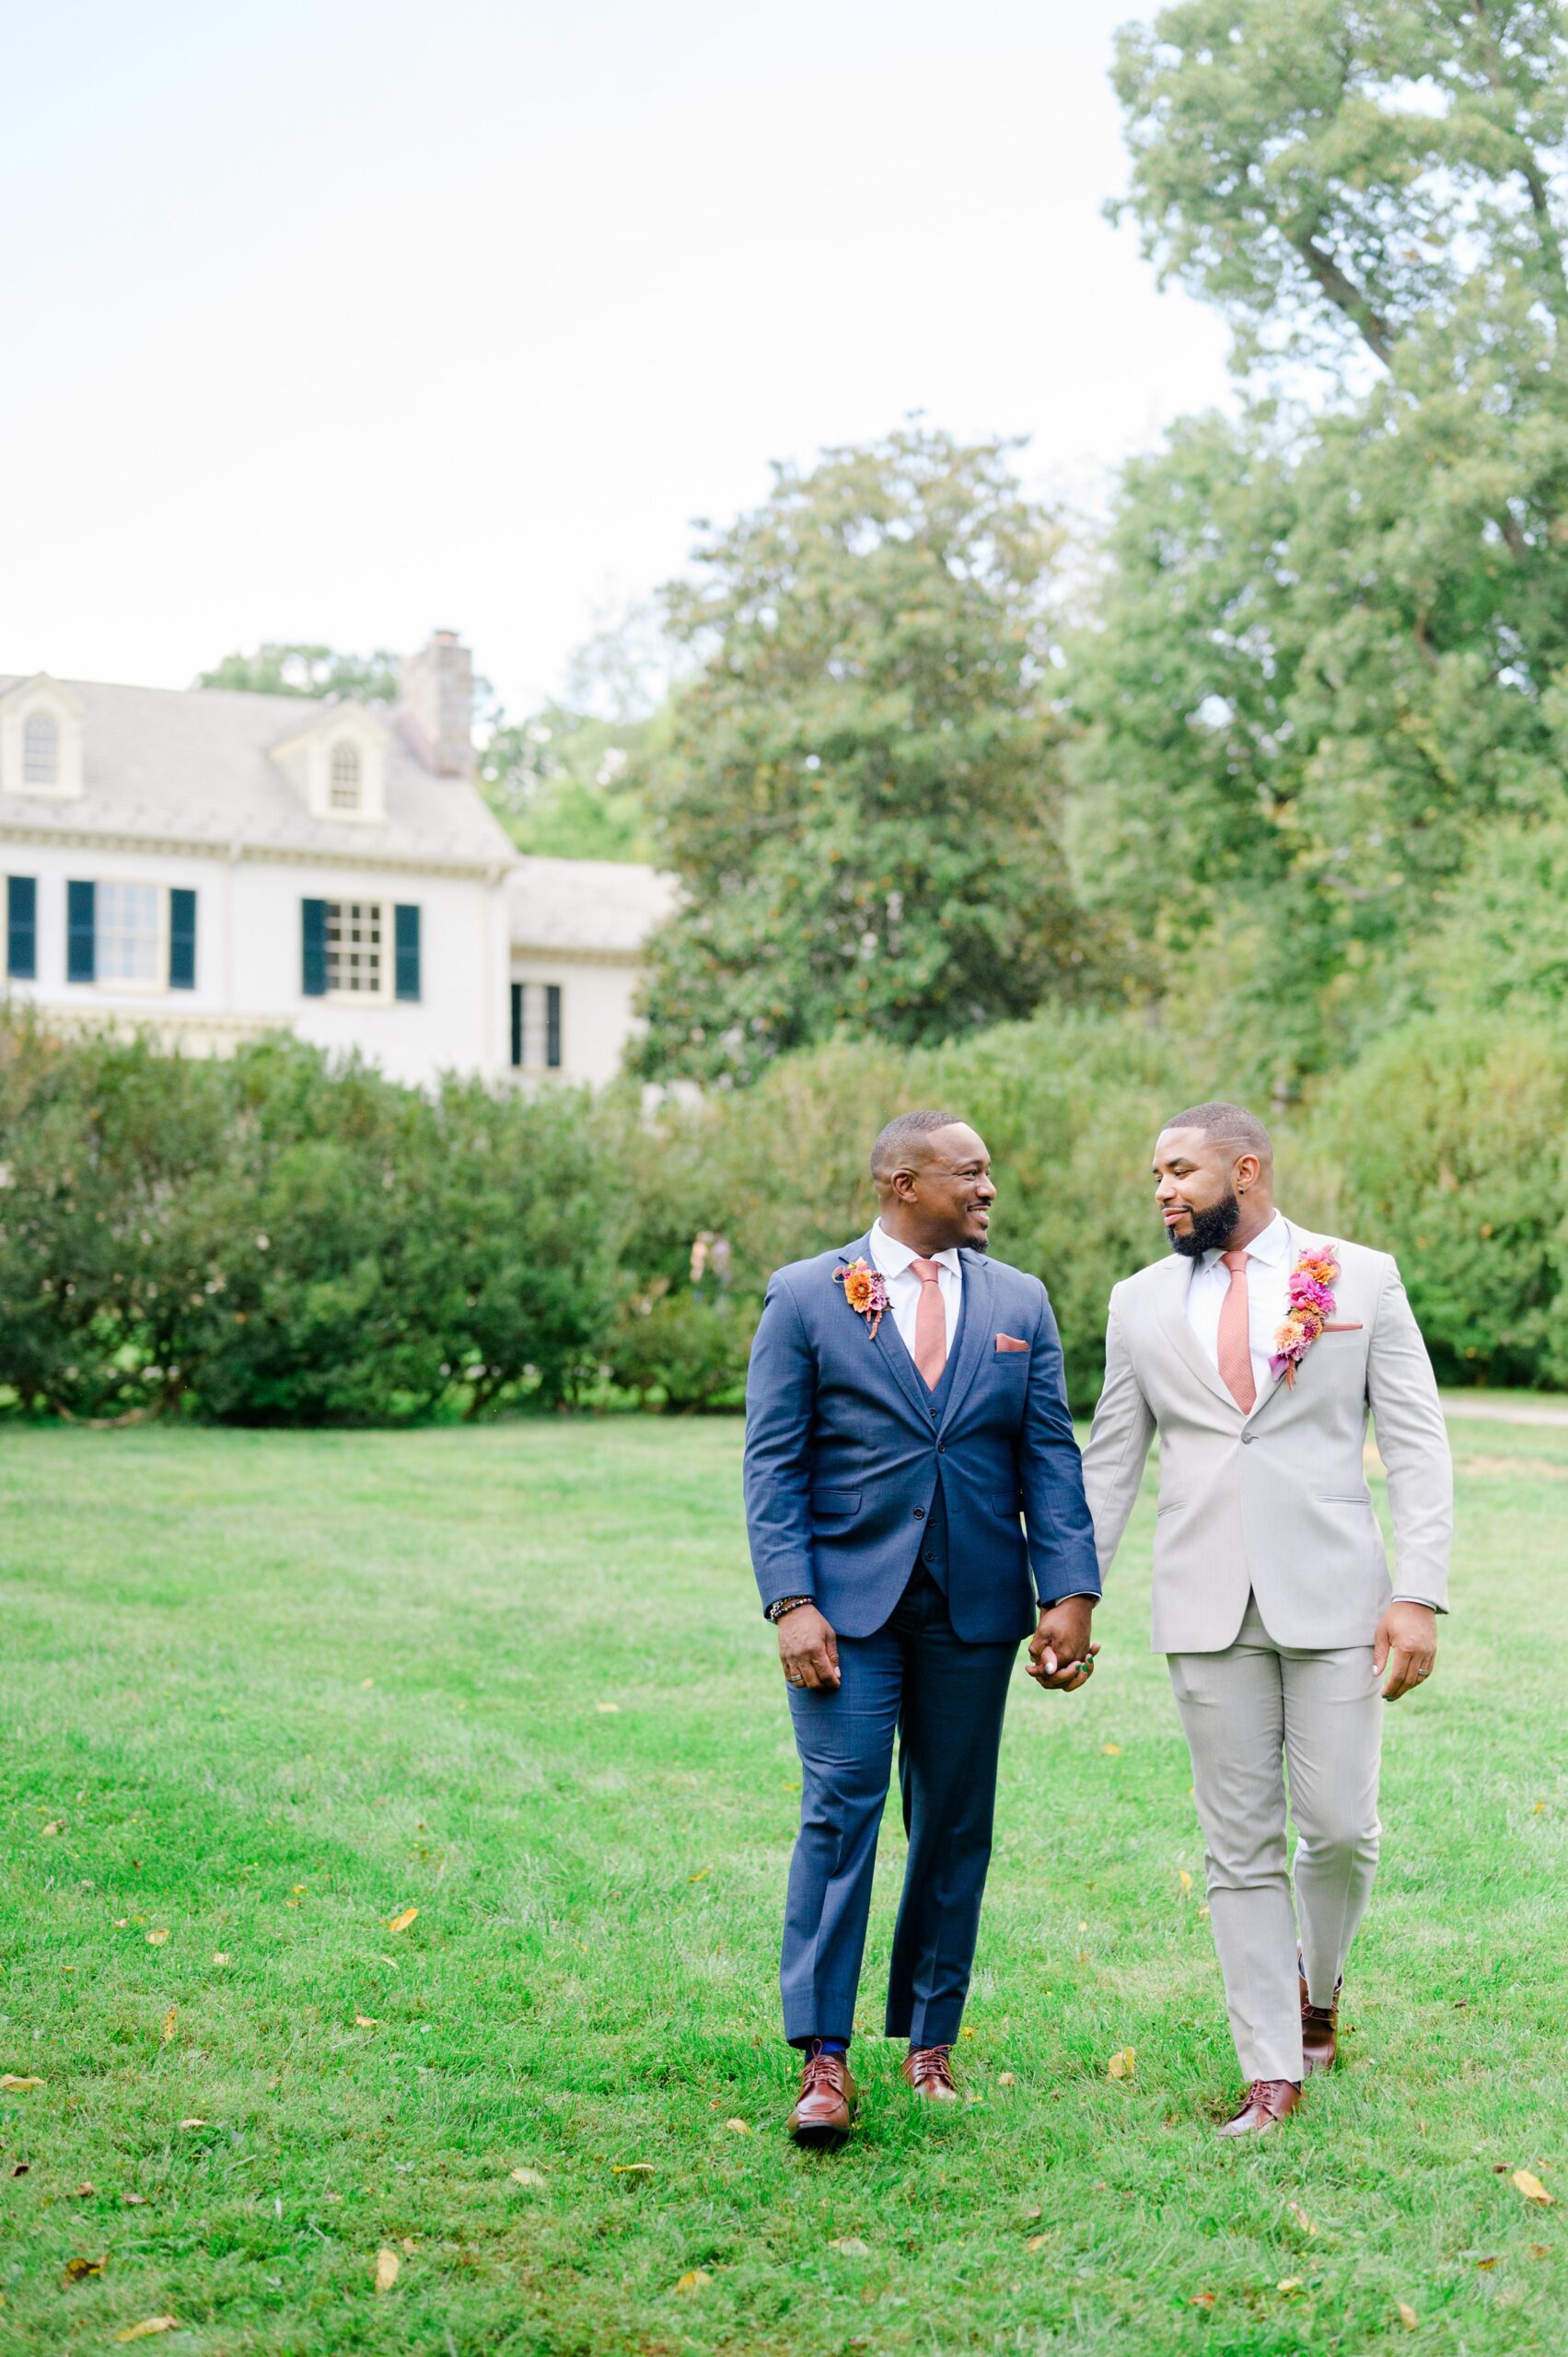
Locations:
(272, 1240)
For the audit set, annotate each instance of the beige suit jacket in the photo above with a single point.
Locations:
(1274, 1504)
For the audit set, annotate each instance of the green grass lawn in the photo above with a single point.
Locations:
(261, 1695)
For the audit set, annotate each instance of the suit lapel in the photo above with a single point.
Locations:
(976, 1331)
(1177, 1332)
(888, 1342)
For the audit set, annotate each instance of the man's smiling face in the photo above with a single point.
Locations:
(1195, 1181)
(953, 1189)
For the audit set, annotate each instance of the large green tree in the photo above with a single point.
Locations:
(1332, 647)
(293, 667)
(859, 780)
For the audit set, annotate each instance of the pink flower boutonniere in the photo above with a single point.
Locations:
(1311, 1307)
(865, 1290)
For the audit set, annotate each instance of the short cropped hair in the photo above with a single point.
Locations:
(902, 1135)
(1227, 1125)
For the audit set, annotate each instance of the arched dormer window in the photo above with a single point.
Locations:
(41, 750)
(345, 780)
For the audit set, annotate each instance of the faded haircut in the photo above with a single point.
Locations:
(899, 1143)
(1224, 1124)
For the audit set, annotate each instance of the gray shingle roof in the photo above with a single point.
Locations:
(585, 904)
(191, 765)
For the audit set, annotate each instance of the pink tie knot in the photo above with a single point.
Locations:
(928, 1272)
(1234, 1261)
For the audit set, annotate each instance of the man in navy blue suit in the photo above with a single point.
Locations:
(904, 1408)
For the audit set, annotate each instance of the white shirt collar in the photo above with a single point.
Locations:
(893, 1258)
(1270, 1244)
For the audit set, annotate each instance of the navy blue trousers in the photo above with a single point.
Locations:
(943, 1701)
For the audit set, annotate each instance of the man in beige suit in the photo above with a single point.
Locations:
(1272, 1595)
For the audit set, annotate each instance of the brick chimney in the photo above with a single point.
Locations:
(435, 704)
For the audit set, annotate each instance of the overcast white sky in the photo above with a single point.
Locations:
(339, 321)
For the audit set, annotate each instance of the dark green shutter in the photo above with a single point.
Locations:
(552, 1026)
(81, 932)
(21, 928)
(182, 941)
(405, 936)
(313, 976)
(517, 1022)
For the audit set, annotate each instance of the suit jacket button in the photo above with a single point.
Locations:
(920, 1514)
(1246, 1436)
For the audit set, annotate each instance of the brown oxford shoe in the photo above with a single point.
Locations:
(1320, 2030)
(929, 2070)
(824, 2110)
(1265, 2104)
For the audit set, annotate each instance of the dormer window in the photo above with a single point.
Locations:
(347, 776)
(41, 750)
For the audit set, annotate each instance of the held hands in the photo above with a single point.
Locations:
(1407, 1640)
(809, 1651)
(1060, 1653)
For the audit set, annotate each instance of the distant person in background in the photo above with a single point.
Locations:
(1257, 1351)
(904, 1406)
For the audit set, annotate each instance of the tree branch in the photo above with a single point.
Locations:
(1346, 296)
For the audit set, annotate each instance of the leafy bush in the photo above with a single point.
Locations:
(272, 1240)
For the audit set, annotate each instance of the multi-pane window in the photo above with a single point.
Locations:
(355, 947)
(346, 778)
(536, 1026)
(128, 924)
(41, 750)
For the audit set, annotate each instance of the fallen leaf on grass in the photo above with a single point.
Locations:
(1407, 2315)
(738, 2127)
(1037, 2242)
(82, 2191)
(1533, 2190)
(1302, 2220)
(20, 2168)
(1288, 2283)
(76, 2270)
(388, 2268)
(367, 2021)
(410, 2244)
(148, 2326)
(193, 2123)
(222, 1957)
(366, 1684)
(1202, 2299)
(1186, 1880)
(701, 1876)
(607, 1710)
(631, 2168)
(1484, 2263)
(966, 2031)
(1540, 2250)
(1007, 2079)
(696, 2279)
(135, 2200)
(54, 1825)
(1120, 2065)
(1111, 1750)
(156, 1939)
(16, 2086)
(169, 2025)
(527, 2176)
(401, 1923)
(851, 2246)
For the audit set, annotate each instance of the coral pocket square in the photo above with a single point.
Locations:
(1010, 1343)
(1341, 1325)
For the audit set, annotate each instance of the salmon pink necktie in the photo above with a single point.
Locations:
(929, 1324)
(1235, 1343)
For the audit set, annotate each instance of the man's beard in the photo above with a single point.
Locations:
(1212, 1230)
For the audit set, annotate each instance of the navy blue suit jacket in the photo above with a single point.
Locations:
(843, 1455)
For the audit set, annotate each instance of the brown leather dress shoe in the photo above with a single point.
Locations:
(824, 2110)
(1265, 2104)
(929, 2070)
(1319, 2031)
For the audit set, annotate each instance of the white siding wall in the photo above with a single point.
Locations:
(597, 1016)
(248, 956)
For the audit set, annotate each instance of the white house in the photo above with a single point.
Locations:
(214, 864)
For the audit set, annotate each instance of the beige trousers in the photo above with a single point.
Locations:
(1249, 1713)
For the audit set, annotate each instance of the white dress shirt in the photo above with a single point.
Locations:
(1269, 1258)
(894, 1260)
